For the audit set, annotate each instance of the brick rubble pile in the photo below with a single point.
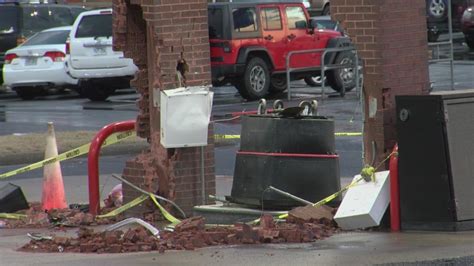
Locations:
(305, 224)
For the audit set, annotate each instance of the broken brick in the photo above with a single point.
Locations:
(309, 214)
(266, 221)
(61, 240)
(87, 248)
(114, 248)
(193, 223)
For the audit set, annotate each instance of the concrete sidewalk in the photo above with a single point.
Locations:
(351, 248)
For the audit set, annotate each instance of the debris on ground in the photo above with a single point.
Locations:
(310, 214)
(190, 234)
(115, 197)
(38, 218)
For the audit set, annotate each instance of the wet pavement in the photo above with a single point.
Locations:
(350, 248)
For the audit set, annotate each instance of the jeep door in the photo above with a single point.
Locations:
(298, 37)
(91, 43)
(274, 34)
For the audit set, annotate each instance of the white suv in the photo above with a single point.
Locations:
(91, 59)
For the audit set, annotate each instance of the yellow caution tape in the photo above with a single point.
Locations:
(348, 134)
(15, 216)
(173, 220)
(337, 134)
(125, 207)
(221, 136)
(114, 138)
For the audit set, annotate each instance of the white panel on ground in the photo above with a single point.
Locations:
(185, 115)
(365, 203)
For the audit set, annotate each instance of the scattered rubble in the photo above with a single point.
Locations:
(190, 234)
(38, 218)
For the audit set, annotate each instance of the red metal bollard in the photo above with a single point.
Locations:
(93, 160)
(394, 191)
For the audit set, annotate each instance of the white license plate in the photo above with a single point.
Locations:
(30, 61)
(100, 51)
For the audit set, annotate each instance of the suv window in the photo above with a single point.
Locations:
(296, 17)
(61, 16)
(94, 26)
(245, 19)
(9, 21)
(216, 23)
(48, 37)
(271, 18)
(40, 17)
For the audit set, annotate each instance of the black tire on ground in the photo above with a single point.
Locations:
(470, 41)
(81, 92)
(97, 93)
(344, 77)
(311, 81)
(256, 80)
(26, 93)
(326, 10)
(278, 83)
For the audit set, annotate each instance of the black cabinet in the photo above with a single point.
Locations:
(436, 160)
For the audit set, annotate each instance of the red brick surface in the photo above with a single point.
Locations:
(391, 38)
(158, 35)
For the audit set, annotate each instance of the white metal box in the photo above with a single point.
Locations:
(185, 115)
(365, 203)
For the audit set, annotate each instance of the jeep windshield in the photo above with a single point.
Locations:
(216, 23)
(9, 19)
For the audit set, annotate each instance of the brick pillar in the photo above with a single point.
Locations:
(390, 37)
(158, 35)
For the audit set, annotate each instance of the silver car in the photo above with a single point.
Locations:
(318, 7)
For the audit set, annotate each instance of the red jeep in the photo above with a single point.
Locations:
(250, 42)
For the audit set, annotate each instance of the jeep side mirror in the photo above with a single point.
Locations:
(311, 25)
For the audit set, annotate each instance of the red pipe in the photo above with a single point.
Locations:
(93, 160)
(394, 191)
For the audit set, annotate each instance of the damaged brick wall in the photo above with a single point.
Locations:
(158, 35)
(390, 37)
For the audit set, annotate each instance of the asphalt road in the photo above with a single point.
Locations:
(69, 112)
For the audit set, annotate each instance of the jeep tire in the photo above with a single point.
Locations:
(313, 81)
(278, 83)
(256, 80)
(342, 77)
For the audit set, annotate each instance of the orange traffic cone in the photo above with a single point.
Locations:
(53, 186)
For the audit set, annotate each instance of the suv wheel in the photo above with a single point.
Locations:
(97, 93)
(278, 83)
(256, 80)
(26, 93)
(343, 77)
